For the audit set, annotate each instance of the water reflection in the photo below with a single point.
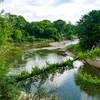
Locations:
(29, 59)
(90, 91)
(61, 83)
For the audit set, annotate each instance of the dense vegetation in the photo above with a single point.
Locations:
(87, 78)
(15, 28)
(89, 36)
(88, 29)
(21, 30)
(81, 54)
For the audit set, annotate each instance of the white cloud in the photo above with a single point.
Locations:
(36, 10)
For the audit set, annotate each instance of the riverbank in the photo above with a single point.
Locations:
(91, 57)
(31, 96)
(33, 43)
(94, 63)
(60, 43)
(37, 44)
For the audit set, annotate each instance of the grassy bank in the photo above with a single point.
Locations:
(82, 54)
(85, 79)
(74, 48)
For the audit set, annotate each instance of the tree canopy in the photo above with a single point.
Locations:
(88, 29)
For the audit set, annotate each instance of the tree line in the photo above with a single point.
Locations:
(17, 29)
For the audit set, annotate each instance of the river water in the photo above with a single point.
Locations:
(61, 83)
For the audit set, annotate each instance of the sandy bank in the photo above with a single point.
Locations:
(60, 43)
(95, 63)
(30, 96)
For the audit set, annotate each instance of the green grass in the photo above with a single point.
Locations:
(82, 54)
(74, 48)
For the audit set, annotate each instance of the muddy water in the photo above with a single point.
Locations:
(61, 83)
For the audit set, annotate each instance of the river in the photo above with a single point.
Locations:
(62, 83)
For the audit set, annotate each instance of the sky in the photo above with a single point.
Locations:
(37, 10)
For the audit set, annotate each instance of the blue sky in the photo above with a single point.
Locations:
(36, 10)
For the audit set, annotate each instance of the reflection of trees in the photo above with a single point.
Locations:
(14, 56)
(37, 84)
(88, 80)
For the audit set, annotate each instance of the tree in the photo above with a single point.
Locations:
(8, 90)
(88, 29)
(18, 35)
(51, 32)
(45, 23)
(5, 30)
(59, 25)
(19, 21)
(69, 30)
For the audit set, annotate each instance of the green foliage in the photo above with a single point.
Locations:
(50, 69)
(87, 78)
(91, 54)
(25, 31)
(8, 89)
(5, 30)
(45, 23)
(19, 21)
(69, 31)
(81, 54)
(18, 35)
(88, 29)
(59, 25)
(29, 38)
(51, 32)
(87, 81)
(75, 48)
